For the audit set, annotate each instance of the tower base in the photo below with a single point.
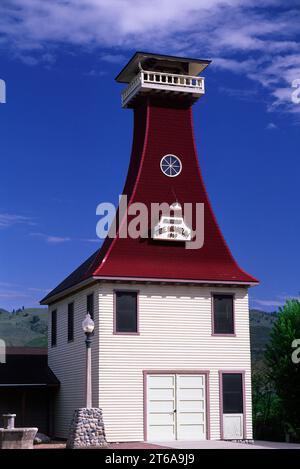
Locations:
(87, 429)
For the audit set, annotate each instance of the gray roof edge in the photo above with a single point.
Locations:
(118, 78)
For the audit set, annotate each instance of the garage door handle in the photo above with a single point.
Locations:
(174, 411)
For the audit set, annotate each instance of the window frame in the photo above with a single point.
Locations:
(70, 339)
(222, 334)
(162, 163)
(87, 308)
(122, 290)
(53, 338)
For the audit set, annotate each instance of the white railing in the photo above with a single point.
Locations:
(172, 79)
(161, 80)
(135, 83)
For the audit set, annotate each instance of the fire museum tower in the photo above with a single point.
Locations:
(171, 348)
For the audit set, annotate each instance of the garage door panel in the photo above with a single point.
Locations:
(161, 406)
(162, 418)
(161, 394)
(191, 394)
(191, 418)
(191, 381)
(162, 381)
(190, 406)
(161, 432)
(188, 432)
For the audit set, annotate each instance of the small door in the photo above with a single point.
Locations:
(176, 407)
(233, 406)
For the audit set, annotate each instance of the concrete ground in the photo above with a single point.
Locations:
(117, 446)
(184, 445)
(210, 444)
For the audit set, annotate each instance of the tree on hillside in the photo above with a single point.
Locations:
(283, 372)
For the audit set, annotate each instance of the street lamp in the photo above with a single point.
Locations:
(88, 326)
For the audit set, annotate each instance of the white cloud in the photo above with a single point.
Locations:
(38, 290)
(52, 239)
(11, 294)
(271, 303)
(289, 297)
(279, 300)
(256, 38)
(57, 239)
(90, 240)
(242, 94)
(113, 58)
(95, 73)
(271, 126)
(8, 220)
(6, 284)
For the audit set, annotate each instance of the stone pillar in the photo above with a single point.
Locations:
(9, 421)
(87, 429)
(17, 438)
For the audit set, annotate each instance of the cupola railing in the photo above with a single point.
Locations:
(146, 80)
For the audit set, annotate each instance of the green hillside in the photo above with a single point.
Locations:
(24, 328)
(261, 324)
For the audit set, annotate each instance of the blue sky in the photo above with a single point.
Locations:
(65, 141)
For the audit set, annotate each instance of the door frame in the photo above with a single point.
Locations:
(240, 372)
(178, 372)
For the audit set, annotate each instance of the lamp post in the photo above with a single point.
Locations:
(87, 427)
(88, 326)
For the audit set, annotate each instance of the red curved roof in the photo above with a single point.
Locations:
(160, 130)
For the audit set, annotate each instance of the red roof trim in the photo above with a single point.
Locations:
(175, 280)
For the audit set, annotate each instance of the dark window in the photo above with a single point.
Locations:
(126, 311)
(70, 322)
(53, 327)
(232, 393)
(90, 305)
(223, 314)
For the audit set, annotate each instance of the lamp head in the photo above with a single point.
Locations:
(88, 324)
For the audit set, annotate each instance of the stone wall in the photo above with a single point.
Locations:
(87, 429)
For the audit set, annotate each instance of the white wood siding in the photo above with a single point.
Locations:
(67, 360)
(175, 334)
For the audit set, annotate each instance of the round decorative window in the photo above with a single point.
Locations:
(170, 165)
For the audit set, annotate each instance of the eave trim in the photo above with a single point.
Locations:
(64, 293)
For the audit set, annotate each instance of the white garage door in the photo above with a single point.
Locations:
(176, 407)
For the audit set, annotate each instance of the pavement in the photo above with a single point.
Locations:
(117, 446)
(211, 444)
(206, 444)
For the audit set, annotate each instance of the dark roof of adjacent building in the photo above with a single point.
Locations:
(26, 367)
